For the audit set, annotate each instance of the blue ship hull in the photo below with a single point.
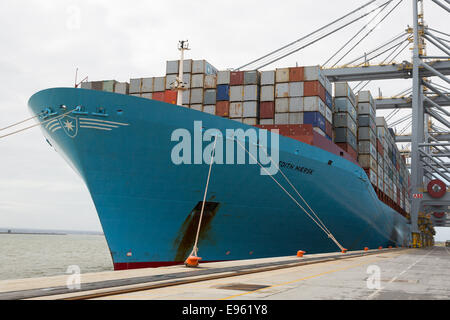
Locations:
(148, 206)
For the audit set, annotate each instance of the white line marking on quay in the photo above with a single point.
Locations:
(374, 294)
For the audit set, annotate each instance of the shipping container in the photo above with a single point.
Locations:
(211, 109)
(296, 89)
(366, 96)
(210, 81)
(170, 96)
(171, 81)
(135, 85)
(342, 89)
(250, 109)
(267, 93)
(223, 77)
(296, 104)
(122, 88)
(282, 90)
(267, 110)
(344, 120)
(250, 121)
(282, 75)
(202, 66)
(314, 104)
(223, 92)
(197, 96)
(223, 108)
(251, 92)
(251, 77)
(159, 96)
(366, 133)
(315, 118)
(366, 108)
(209, 97)
(281, 118)
(344, 105)
(147, 85)
(344, 135)
(267, 78)
(296, 118)
(159, 84)
(236, 93)
(236, 109)
(282, 105)
(296, 74)
(236, 78)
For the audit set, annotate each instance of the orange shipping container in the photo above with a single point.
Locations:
(159, 96)
(311, 88)
(223, 108)
(296, 74)
(170, 96)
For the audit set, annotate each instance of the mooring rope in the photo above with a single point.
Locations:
(195, 248)
(320, 224)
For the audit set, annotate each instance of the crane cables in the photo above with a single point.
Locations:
(32, 126)
(287, 50)
(361, 30)
(312, 214)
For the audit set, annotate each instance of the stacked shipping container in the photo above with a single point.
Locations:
(345, 118)
(367, 136)
(298, 101)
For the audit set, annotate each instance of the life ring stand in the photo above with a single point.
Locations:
(436, 188)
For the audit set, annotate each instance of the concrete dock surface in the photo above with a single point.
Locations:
(388, 274)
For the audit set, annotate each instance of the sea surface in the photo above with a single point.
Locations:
(31, 255)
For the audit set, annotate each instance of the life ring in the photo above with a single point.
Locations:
(439, 214)
(436, 188)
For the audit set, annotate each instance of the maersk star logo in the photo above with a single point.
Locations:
(70, 126)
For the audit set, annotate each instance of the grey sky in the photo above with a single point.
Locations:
(43, 42)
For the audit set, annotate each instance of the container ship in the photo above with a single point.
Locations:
(331, 147)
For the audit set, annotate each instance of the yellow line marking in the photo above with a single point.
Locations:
(298, 280)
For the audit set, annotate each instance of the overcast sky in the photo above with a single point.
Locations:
(43, 42)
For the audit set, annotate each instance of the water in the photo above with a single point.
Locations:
(31, 256)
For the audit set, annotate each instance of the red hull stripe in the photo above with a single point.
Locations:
(153, 264)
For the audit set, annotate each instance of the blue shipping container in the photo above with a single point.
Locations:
(314, 118)
(223, 92)
(328, 100)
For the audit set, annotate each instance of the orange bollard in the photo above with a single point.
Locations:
(344, 250)
(390, 247)
(300, 253)
(380, 247)
(366, 249)
(192, 261)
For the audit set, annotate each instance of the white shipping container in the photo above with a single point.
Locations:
(250, 121)
(223, 77)
(251, 92)
(87, 85)
(211, 109)
(282, 90)
(122, 87)
(198, 81)
(366, 96)
(236, 110)
(373, 177)
(295, 89)
(281, 118)
(197, 107)
(267, 93)
(186, 97)
(282, 75)
(250, 109)
(210, 81)
(197, 96)
(148, 85)
(135, 85)
(342, 89)
(267, 78)
(328, 114)
(319, 131)
(236, 93)
(314, 104)
(147, 95)
(282, 105)
(159, 84)
(296, 104)
(312, 73)
(295, 117)
(170, 81)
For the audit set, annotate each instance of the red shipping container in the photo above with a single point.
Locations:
(159, 96)
(236, 78)
(296, 74)
(223, 108)
(170, 96)
(311, 88)
(328, 129)
(348, 148)
(380, 148)
(267, 110)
